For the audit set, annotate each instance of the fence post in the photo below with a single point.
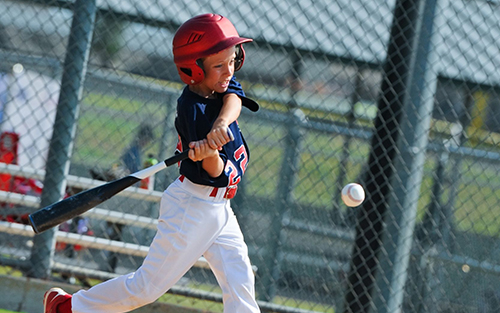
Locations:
(286, 183)
(284, 196)
(397, 237)
(386, 220)
(58, 160)
(434, 234)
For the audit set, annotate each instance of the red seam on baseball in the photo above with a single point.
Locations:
(349, 194)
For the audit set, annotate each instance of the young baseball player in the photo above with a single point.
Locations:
(195, 215)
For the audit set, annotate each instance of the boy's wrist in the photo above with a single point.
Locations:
(220, 121)
(214, 165)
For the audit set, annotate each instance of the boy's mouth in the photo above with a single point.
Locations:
(224, 84)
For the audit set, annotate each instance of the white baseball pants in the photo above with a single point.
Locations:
(191, 223)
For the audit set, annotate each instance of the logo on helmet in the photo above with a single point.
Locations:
(195, 37)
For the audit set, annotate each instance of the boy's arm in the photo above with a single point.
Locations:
(210, 159)
(231, 109)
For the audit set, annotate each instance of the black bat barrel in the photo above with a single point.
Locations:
(75, 205)
(80, 203)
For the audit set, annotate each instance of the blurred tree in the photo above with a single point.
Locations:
(106, 41)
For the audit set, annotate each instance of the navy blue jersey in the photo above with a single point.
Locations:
(195, 118)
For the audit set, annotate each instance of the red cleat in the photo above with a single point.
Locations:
(53, 298)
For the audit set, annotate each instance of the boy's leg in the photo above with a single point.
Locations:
(228, 259)
(186, 228)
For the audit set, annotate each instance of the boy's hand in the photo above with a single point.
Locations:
(219, 135)
(200, 150)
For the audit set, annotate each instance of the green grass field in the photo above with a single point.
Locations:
(111, 120)
(319, 161)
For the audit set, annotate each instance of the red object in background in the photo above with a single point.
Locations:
(9, 145)
(9, 142)
(144, 184)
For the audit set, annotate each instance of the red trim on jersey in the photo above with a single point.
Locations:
(214, 192)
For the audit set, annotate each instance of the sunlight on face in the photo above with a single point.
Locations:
(219, 68)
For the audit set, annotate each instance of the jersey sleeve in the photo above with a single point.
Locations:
(236, 88)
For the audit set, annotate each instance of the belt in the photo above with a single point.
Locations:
(207, 192)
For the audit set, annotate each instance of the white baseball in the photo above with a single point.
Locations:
(353, 194)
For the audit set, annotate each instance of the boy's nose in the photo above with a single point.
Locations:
(229, 69)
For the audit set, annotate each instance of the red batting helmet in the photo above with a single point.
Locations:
(200, 37)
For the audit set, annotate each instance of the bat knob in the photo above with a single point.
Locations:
(230, 134)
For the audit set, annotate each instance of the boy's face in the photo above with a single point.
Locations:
(219, 68)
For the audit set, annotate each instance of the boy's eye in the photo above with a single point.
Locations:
(231, 62)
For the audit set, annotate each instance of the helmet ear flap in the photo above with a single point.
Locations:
(240, 57)
(191, 74)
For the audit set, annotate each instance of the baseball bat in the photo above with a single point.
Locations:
(80, 203)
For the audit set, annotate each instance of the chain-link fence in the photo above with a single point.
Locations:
(400, 96)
